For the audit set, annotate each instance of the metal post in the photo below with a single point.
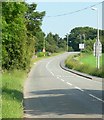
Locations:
(98, 57)
(97, 41)
(67, 42)
(44, 46)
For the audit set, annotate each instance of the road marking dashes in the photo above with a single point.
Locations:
(52, 73)
(62, 80)
(96, 97)
(58, 77)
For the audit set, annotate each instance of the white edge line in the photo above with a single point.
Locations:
(96, 97)
(79, 89)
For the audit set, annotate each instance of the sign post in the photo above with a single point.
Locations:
(97, 52)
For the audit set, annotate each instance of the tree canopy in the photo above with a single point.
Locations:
(20, 23)
(86, 35)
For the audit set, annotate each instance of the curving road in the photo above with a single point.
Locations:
(51, 92)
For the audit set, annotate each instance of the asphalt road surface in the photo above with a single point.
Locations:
(51, 92)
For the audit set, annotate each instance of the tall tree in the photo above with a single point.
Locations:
(76, 36)
(13, 34)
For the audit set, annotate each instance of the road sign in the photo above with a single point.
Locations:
(97, 48)
(81, 46)
(43, 50)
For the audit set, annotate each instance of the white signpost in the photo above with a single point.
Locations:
(97, 49)
(97, 52)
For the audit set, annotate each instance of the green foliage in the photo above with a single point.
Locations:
(85, 63)
(85, 35)
(34, 19)
(40, 54)
(12, 95)
(33, 23)
(19, 27)
(39, 43)
(54, 43)
(89, 46)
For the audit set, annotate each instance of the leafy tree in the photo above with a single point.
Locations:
(34, 19)
(54, 43)
(39, 44)
(33, 24)
(83, 35)
(13, 34)
(20, 26)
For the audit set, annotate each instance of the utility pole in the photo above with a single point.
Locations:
(44, 46)
(97, 44)
(67, 42)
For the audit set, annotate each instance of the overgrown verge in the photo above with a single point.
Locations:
(12, 93)
(78, 62)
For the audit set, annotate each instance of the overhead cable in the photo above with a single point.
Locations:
(59, 15)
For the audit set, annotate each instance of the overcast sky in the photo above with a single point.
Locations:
(64, 24)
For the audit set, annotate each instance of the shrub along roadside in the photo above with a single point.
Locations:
(74, 62)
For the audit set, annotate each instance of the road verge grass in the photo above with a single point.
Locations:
(12, 95)
(85, 63)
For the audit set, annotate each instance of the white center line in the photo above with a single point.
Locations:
(68, 83)
(96, 97)
(79, 89)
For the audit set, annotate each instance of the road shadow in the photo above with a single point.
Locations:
(12, 94)
(62, 102)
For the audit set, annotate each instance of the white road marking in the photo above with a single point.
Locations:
(62, 80)
(48, 68)
(79, 88)
(68, 83)
(52, 73)
(96, 97)
(57, 77)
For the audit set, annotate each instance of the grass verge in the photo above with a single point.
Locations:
(85, 63)
(12, 95)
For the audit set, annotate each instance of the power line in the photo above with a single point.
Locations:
(59, 15)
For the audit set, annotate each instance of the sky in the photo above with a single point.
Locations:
(64, 24)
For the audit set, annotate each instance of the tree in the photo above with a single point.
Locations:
(54, 43)
(39, 44)
(20, 26)
(76, 36)
(13, 34)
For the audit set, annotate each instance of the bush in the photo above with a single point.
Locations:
(40, 54)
